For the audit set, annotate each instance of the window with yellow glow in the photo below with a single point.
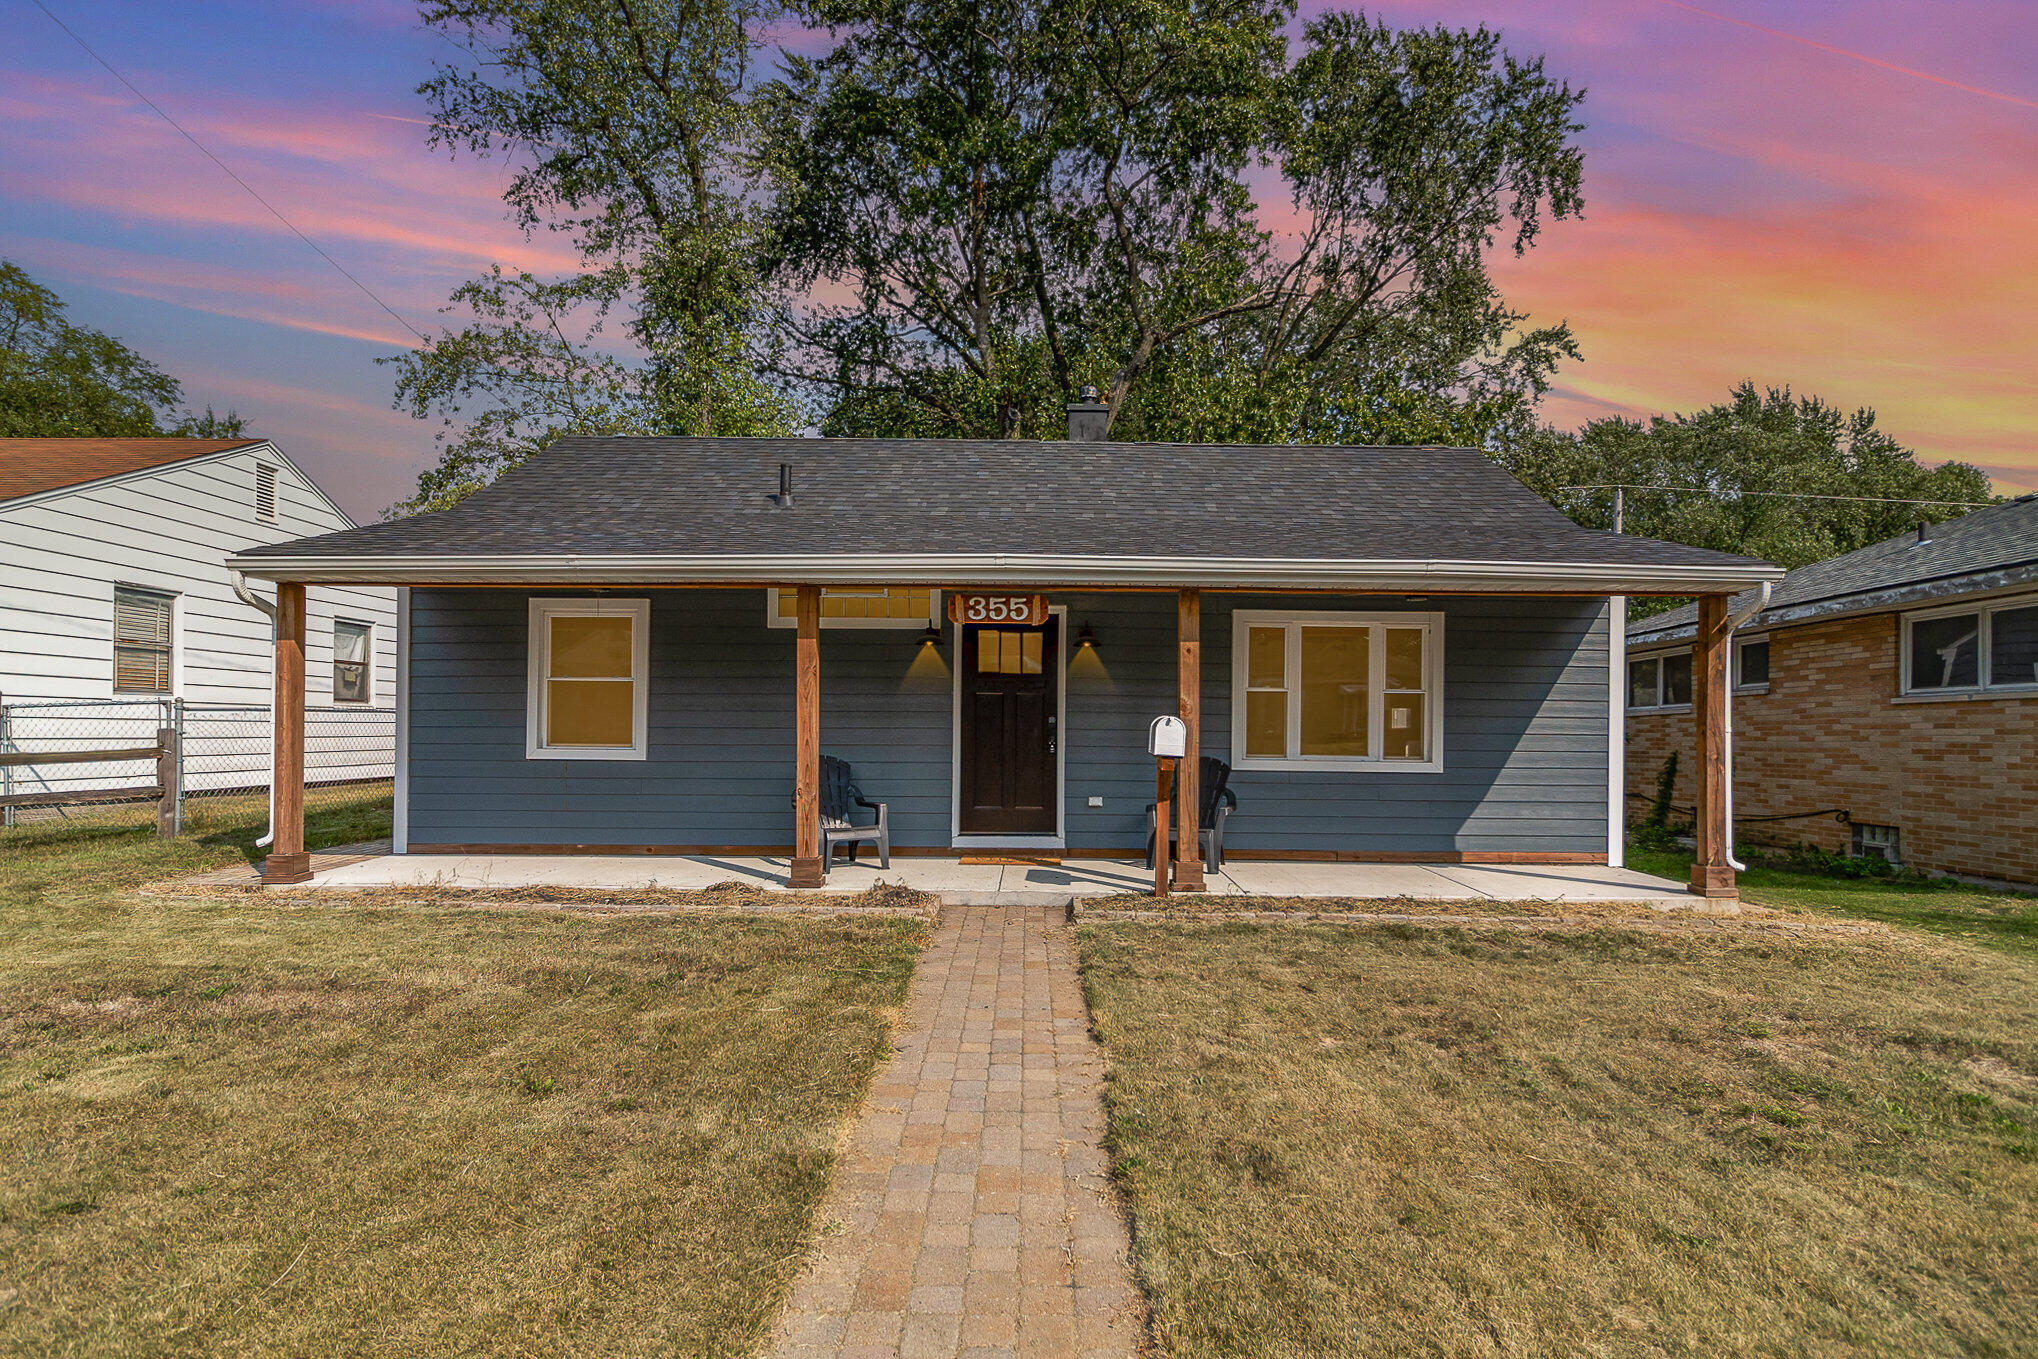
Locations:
(588, 678)
(855, 606)
(1319, 690)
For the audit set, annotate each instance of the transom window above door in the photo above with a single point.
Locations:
(1319, 690)
(850, 606)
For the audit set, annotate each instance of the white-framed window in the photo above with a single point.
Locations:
(353, 661)
(1751, 665)
(1662, 680)
(589, 689)
(1971, 649)
(857, 606)
(265, 492)
(1323, 690)
(144, 640)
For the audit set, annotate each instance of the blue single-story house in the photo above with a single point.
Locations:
(645, 645)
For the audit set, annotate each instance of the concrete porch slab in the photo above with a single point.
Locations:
(964, 884)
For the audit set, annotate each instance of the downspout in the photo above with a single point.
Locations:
(268, 610)
(1734, 623)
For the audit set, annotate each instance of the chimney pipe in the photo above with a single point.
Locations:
(1924, 531)
(784, 497)
(1089, 418)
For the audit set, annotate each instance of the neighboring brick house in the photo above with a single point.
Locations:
(1893, 690)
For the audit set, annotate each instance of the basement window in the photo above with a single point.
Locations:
(880, 606)
(1884, 842)
(1972, 650)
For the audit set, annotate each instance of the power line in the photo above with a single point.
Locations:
(369, 292)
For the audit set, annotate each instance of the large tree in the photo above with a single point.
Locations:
(59, 380)
(1012, 201)
(631, 129)
(1750, 475)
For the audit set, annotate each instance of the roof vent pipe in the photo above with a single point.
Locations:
(1924, 532)
(784, 497)
(1089, 418)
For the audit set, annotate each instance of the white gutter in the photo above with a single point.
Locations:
(1034, 570)
(1734, 623)
(268, 610)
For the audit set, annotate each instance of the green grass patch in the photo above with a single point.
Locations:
(2002, 920)
(1434, 1140)
(262, 1126)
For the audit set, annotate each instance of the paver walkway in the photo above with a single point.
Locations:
(975, 1212)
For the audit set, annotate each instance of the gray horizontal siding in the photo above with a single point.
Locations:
(1525, 731)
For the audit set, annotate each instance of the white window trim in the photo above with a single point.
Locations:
(539, 646)
(1984, 661)
(176, 598)
(1433, 691)
(913, 624)
(1739, 643)
(368, 669)
(1659, 706)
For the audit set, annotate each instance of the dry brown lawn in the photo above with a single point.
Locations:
(247, 1126)
(1414, 1138)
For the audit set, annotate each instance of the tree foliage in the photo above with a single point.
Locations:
(1734, 457)
(630, 129)
(1021, 199)
(59, 380)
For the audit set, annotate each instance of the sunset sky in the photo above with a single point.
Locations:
(1837, 195)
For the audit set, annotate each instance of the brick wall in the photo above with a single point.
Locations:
(1959, 778)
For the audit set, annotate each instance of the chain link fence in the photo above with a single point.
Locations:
(218, 769)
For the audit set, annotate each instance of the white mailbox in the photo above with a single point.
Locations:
(1167, 736)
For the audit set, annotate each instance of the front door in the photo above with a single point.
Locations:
(1010, 730)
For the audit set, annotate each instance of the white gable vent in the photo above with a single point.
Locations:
(265, 493)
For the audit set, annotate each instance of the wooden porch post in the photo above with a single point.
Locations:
(287, 861)
(1188, 780)
(1711, 874)
(806, 866)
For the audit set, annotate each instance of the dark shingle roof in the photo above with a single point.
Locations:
(1999, 538)
(647, 496)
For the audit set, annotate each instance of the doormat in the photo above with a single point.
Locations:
(1028, 860)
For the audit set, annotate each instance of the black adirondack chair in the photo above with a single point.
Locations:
(840, 797)
(1219, 802)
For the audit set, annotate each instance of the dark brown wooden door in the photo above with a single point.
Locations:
(1010, 730)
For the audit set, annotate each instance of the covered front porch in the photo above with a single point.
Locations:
(972, 880)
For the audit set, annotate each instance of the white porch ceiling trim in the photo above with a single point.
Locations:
(1008, 569)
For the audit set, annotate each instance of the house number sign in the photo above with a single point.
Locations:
(1025, 610)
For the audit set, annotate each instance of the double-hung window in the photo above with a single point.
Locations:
(1319, 690)
(1660, 681)
(144, 640)
(589, 679)
(1972, 650)
(353, 652)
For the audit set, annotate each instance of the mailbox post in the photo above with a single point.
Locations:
(1167, 740)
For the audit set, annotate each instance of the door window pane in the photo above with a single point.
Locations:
(1010, 651)
(1642, 677)
(1335, 666)
(1677, 678)
(2013, 647)
(1945, 652)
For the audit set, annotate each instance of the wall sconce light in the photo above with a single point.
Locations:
(931, 637)
(1086, 640)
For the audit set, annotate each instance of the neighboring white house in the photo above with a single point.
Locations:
(113, 586)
